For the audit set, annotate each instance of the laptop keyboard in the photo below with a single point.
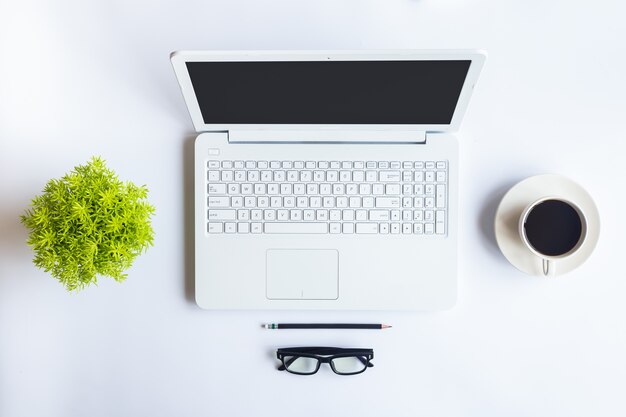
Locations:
(318, 197)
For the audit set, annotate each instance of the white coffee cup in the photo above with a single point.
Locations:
(552, 234)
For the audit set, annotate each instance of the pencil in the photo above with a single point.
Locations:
(274, 326)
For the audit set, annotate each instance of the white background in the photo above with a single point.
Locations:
(82, 78)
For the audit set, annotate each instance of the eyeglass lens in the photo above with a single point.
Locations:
(349, 364)
(300, 364)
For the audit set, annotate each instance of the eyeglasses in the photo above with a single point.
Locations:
(307, 360)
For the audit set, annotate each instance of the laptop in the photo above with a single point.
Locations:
(326, 180)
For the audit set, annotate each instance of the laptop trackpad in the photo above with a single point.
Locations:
(302, 274)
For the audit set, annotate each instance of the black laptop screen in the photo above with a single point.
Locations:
(328, 92)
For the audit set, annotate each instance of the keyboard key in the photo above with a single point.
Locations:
(335, 228)
(246, 189)
(221, 214)
(295, 215)
(218, 202)
(256, 227)
(243, 227)
(322, 215)
(407, 228)
(388, 202)
(441, 196)
(298, 228)
(367, 228)
(253, 176)
(216, 189)
(348, 228)
(230, 227)
(213, 176)
(215, 228)
(227, 176)
(429, 228)
(213, 164)
(379, 215)
(308, 215)
(263, 202)
(236, 202)
(243, 214)
(389, 176)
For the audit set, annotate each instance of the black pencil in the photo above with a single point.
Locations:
(274, 326)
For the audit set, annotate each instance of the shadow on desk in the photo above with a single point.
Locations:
(188, 217)
(487, 217)
(13, 235)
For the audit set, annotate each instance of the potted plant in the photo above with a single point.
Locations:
(89, 223)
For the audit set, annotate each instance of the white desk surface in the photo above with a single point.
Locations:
(93, 78)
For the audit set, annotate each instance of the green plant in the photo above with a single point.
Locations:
(89, 223)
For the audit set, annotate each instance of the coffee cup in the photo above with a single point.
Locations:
(553, 228)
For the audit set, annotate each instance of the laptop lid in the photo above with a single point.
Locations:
(391, 91)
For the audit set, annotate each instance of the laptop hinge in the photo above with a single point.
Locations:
(337, 136)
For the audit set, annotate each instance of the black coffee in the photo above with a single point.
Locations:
(553, 227)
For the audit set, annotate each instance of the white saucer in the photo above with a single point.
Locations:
(519, 197)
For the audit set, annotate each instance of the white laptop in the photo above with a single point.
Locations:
(326, 180)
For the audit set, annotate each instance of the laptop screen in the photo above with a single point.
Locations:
(328, 92)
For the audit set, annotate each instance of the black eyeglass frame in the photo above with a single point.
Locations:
(325, 355)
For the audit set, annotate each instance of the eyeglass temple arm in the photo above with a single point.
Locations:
(282, 366)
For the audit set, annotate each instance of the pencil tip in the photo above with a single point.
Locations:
(386, 326)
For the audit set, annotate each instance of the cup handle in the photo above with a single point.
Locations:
(549, 267)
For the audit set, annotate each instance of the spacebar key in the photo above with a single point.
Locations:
(296, 228)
